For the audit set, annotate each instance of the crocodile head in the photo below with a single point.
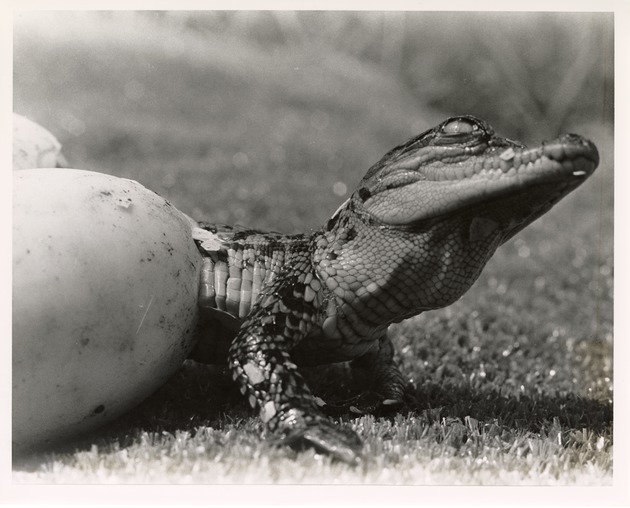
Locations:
(428, 216)
(462, 167)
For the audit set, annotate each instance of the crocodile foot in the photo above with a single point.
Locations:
(325, 437)
(364, 403)
(371, 403)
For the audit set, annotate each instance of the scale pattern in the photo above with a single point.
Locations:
(414, 236)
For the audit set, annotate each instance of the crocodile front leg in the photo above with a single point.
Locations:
(261, 364)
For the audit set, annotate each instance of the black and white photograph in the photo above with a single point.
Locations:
(317, 246)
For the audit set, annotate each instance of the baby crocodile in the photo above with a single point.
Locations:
(413, 236)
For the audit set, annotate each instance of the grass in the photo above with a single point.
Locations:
(513, 382)
(406, 450)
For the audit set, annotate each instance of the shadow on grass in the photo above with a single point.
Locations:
(204, 396)
(529, 413)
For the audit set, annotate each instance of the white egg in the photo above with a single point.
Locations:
(105, 284)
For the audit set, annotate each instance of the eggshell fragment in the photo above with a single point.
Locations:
(34, 146)
(105, 283)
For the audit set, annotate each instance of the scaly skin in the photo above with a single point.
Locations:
(414, 236)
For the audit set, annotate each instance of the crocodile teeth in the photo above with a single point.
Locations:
(507, 154)
(504, 165)
(517, 161)
(525, 157)
(554, 152)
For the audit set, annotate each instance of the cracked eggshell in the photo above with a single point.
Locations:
(34, 146)
(105, 282)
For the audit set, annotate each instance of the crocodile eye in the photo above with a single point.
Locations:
(459, 127)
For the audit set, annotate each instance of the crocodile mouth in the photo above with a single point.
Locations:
(494, 161)
(468, 180)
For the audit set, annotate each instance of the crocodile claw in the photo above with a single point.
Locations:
(371, 403)
(364, 403)
(325, 437)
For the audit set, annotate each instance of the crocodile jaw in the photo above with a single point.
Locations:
(417, 189)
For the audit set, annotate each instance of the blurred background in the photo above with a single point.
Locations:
(270, 118)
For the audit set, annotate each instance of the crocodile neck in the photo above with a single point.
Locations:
(411, 270)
